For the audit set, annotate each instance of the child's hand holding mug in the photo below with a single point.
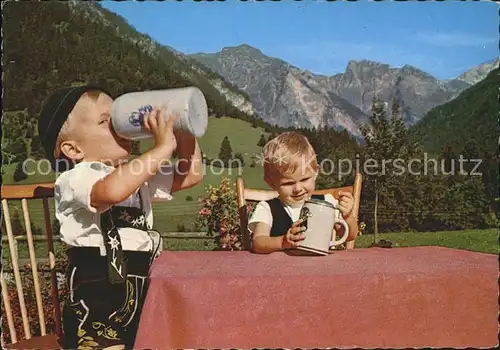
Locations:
(346, 203)
(294, 235)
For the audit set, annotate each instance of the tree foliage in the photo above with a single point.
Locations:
(226, 152)
(262, 141)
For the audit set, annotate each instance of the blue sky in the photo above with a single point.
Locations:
(443, 39)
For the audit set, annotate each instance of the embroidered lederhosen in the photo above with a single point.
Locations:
(107, 292)
(281, 220)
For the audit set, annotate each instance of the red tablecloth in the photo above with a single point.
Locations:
(374, 297)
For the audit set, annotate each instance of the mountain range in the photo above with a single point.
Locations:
(238, 81)
(289, 96)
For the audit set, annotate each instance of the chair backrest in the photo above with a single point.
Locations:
(12, 194)
(247, 194)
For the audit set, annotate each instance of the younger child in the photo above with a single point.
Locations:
(104, 206)
(291, 169)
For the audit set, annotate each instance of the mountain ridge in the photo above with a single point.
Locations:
(288, 87)
(190, 70)
(265, 87)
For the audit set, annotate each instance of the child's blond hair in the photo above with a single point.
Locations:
(284, 154)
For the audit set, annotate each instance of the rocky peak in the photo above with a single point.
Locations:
(242, 49)
(478, 73)
(248, 54)
(415, 72)
(361, 67)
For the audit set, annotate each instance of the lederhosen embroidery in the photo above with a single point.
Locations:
(111, 220)
(281, 220)
(107, 293)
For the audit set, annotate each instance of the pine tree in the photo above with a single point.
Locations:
(262, 141)
(19, 174)
(374, 134)
(386, 139)
(226, 152)
(398, 129)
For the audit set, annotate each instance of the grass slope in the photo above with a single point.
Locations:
(485, 241)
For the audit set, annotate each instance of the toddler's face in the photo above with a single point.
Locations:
(95, 135)
(296, 188)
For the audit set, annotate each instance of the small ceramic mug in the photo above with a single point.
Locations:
(319, 218)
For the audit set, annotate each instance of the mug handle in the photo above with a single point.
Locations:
(346, 233)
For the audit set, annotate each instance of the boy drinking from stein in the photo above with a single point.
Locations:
(104, 206)
(291, 168)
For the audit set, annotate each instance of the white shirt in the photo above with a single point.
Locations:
(262, 212)
(80, 222)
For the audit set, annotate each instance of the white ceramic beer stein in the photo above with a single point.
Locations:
(319, 218)
(128, 111)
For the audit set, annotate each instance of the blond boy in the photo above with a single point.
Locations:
(290, 169)
(104, 206)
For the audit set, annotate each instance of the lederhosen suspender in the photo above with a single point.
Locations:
(281, 220)
(113, 219)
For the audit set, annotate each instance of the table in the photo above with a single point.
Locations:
(363, 298)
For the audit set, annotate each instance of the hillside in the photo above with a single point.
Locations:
(242, 136)
(79, 42)
(471, 116)
(179, 62)
(467, 126)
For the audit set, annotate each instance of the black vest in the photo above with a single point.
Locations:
(281, 220)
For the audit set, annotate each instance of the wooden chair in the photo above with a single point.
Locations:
(23, 193)
(246, 194)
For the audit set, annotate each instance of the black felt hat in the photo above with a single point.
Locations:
(54, 113)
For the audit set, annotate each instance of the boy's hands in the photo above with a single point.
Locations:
(346, 203)
(119, 185)
(293, 235)
(162, 130)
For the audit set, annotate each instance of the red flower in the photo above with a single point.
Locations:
(205, 211)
